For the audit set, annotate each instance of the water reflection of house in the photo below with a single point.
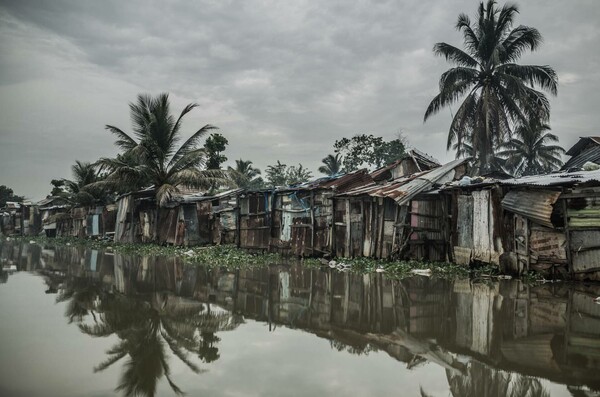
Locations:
(549, 331)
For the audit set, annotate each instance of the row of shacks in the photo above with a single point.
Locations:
(414, 208)
(57, 217)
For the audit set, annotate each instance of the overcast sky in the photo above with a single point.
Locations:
(282, 79)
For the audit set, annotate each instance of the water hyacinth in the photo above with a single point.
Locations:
(230, 257)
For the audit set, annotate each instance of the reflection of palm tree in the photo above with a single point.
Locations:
(80, 293)
(145, 328)
(482, 380)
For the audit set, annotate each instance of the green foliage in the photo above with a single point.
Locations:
(368, 151)
(58, 188)
(282, 175)
(7, 194)
(215, 145)
(498, 93)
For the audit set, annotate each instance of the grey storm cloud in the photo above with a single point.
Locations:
(283, 80)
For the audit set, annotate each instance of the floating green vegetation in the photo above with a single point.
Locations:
(231, 257)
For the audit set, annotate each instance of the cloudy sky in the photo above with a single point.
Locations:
(282, 79)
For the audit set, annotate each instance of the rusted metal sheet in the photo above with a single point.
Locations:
(547, 244)
(536, 205)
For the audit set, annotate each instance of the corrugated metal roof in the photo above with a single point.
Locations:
(557, 179)
(424, 182)
(590, 154)
(534, 205)
(402, 190)
(339, 183)
(583, 142)
(192, 198)
(422, 160)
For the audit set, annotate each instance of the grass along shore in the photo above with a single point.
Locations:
(231, 257)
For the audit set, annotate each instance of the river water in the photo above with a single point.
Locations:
(80, 322)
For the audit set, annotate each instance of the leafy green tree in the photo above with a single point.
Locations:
(276, 174)
(332, 165)
(58, 188)
(368, 151)
(498, 93)
(153, 147)
(215, 145)
(244, 175)
(7, 194)
(282, 175)
(531, 151)
(298, 174)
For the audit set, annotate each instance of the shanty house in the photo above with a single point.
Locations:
(51, 209)
(548, 223)
(294, 220)
(405, 217)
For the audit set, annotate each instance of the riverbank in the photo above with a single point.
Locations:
(231, 257)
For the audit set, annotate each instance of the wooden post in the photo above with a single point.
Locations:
(567, 236)
(348, 230)
(312, 222)
(238, 221)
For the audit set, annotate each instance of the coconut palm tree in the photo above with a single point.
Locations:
(245, 175)
(332, 164)
(465, 150)
(498, 93)
(154, 146)
(530, 151)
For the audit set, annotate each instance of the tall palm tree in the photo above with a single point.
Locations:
(530, 152)
(498, 93)
(332, 164)
(153, 144)
(245, 175)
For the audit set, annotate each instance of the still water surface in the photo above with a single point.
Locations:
(76, 322)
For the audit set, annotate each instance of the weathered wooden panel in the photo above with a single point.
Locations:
(584, 261)
(190, 216)
(464, 221)
(203, 210)
(462, 255)
(482, 226)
